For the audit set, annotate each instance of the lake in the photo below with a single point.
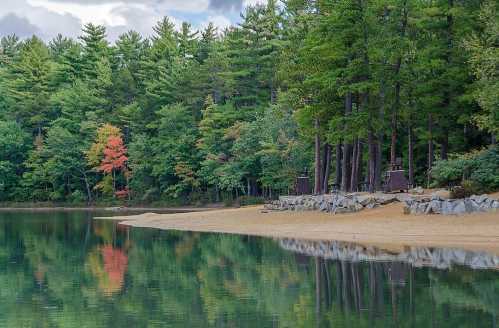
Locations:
(68, 270)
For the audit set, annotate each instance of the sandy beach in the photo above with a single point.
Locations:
(385, 226)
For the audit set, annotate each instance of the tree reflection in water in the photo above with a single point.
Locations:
(67, 270)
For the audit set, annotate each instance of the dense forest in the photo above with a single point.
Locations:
(336, 88)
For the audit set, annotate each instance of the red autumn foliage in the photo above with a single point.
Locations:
(122, 194)
(114, 155)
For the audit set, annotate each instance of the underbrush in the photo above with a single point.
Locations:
(467, 174)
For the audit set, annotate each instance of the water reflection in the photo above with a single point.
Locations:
(441, 258)
(66, 270)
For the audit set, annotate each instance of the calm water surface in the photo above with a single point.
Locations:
(67, 270)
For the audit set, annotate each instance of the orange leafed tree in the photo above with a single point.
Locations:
(114, 155)
(95, 153)
(114, 161)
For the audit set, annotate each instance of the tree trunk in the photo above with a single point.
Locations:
(360, 150)
(411, 155)
(371, 172)
(393, 145)
(345, 166)
(327, 168)
(248, 186)
(114, 183)
(338, 165)
(355, 164)
(87, 186)
(396, 105)
(318, 173)
(431, 154)
(379, 143)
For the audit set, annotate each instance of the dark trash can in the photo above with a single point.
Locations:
(302, 185)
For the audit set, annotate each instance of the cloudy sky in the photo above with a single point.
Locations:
(47, 18)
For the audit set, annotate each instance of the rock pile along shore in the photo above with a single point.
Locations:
(334, 203)
(439, 205)
(414, 204)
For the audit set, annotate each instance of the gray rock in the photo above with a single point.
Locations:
(459, 208)
(447, 207)
(414, 204)
(421, 209)
(366, 200)
(436, 207)
(441, 194)
(417, 191)
(469, 205)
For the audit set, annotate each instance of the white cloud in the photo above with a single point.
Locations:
(254, 2)
(218, 20)
(47, 18)
(47, 22)
(97, 13)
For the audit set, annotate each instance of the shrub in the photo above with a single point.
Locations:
(485, 169)
(476, 172)
(251, 200)
(450, 172)
(466, 189)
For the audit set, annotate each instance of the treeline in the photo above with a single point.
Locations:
(340, 89)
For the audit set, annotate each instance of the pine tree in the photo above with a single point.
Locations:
(28, 85)
(95, 48)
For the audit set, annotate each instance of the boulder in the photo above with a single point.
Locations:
(436, 207)
(366, 200)
(459, 208)
(447, 207)
(441, 194)
(416, 191)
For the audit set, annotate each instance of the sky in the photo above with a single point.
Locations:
(47, 18)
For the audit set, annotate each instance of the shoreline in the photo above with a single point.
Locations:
(385, 226)
(116, 209)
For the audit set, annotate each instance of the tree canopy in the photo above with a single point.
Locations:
(339, 89)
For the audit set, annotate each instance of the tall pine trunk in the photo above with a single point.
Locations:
(360, 156)
(318, 172)
(431, 150)
(447, 91)
(396, 105)
(379, 141)
(411, 154)
(353, 175)
(326, 168)
(393, 143)
(337, 179)
(347, 149)
(371, 171)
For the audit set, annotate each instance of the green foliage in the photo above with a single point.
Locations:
(478, 172)
(250, 200)
(484, 59)
(13, 152)
(211, 115)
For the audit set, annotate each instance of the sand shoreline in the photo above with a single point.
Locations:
(116, 209)
(385, 226)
